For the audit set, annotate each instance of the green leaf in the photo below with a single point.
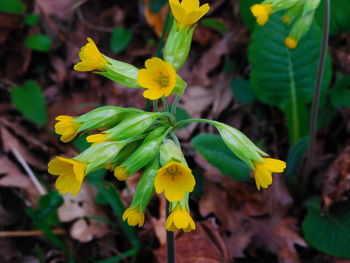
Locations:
(12, 6)
(339, 22)
(242, 91)
(214, 150)
(182, 114)
(39, 42)
(340, 96)
(247, 16)
(30, 101)
(215, 24)
(284, 77)
(156, 5)
(329, 233)
(31, 19)
(120, 39)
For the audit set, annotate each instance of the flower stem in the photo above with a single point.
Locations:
(316, 97)
(183, 122)
(174, 105)
(170, 240)
(155, 106)
(165, 103)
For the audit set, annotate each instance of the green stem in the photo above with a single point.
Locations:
(316, 97)
(170, 240)
(184, 122)
(175, 103)
(155, 106)
(165, 103)
(175, 139)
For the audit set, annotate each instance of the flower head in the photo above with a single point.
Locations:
(291, 42)
(174, 179)
(180, 218)
(134, 216)
(91, 58)
(159, 78)
(70, 174)
(66, 127)
(263, 171)
(96, 138)
(261, 12)
(120, 173)
(188, 12)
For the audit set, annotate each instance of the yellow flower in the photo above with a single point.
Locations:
(261, 12)
(174, 179)
(120, 174)
(188, 12)
(263, 171)
(70, 174)
(291, 42)
(134, 216)
(91, 58)
(66, 127)
(96, 138)
(180, 218)
(159, 78)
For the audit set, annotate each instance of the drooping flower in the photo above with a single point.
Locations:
(188, 12)
(96, 138)
(159, 78)
(70, 174)
(91, 58)
(180, 218)
(175, 180)
(67, 127)
(261, 12)
(263, 171)
(134, 216)
(120, 173)
(291, 42)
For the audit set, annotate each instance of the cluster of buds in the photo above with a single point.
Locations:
(299, 13)
(129, 140)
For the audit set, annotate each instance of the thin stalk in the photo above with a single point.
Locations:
(165, 103)
(175, 103)
(175, 139)
(155, 105)
(184, 122)
(170, 240)
(316, 97)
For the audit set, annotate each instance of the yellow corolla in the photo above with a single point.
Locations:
(188, 12)
(70, 174)
(91, 58)
(66, 127)
(96, 138)
(159, 78)
(291, 42)
(180, 218)
(263, 171)
(134, 216)
(174, 179)
(120, 174)
(261, 12)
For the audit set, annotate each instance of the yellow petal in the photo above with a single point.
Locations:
(155, 65)
(146, 79)
(275, 165)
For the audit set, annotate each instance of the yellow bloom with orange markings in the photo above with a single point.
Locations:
(261, 12)
(175, 180)
(263, 171)
(188, 12)
(97, 138)
(67, 127)
(159, 78)
(91, 58)
(134, 216)
(180, 218)
(291, 42)
(70, 174)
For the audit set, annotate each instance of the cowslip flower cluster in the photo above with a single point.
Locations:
(129, 140)
(299, 13)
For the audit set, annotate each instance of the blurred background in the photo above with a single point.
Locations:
(231, 78)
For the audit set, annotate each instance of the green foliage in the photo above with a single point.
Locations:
(242, 90)
(246, 15)
(182, 114)
(12, 6)
(340, 95)
(340, 21)
(285, 77)
(120, 39)
(215, 24)
(214, 150)
(30, 101)
(156, 5)
(31, 19)
(39, 42)
(329, 233)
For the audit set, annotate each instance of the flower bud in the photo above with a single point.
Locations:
(169, 151)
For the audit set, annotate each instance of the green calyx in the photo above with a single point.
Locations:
(169, 151)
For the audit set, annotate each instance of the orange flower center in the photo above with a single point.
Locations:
(163, 80)
(172, 170)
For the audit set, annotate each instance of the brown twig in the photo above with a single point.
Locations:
(29, 233)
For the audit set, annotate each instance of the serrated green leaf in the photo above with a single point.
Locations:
(329, 233)
(339, 22)
(39, 42)
(30, 101)
(214, 150)
(246, 15)
(284, 77)
(12, 6)
(242, 90)
(31, 19)
(120, 39)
